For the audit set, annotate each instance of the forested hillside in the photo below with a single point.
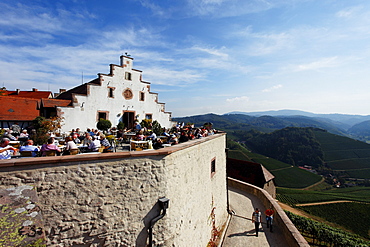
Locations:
(295, 146)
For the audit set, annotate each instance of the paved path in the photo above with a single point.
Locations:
(241, 229)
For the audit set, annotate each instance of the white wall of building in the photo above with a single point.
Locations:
(84, 113)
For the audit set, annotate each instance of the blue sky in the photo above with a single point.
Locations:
(201, 56)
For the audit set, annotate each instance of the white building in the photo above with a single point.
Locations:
(118, 96)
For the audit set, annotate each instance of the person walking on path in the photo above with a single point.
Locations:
(269, 217)
(256, 219)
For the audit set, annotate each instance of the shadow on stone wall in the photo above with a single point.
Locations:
(142, 238)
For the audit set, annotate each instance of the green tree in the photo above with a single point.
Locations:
(45, 127)
(103, 124)
(156, 127)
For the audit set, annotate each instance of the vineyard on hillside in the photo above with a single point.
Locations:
(294, 196)
(320, 234)
(351, 215)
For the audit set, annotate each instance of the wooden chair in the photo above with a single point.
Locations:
(26, 153)
(74, 151)
(51, 153)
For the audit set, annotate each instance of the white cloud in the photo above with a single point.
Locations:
(349, 12)
(240, 99)
(227, 8)
(272, 88)
(328, 62)
(212, 51)
(169, 77)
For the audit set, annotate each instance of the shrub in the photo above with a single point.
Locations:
(120, 126)
(103, 124)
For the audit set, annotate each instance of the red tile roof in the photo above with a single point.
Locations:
(18, 109)
(54, 102)
(27, 94)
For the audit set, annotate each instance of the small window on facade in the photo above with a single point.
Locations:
(142, 96)
(128, 76)
(148, 116)
(111, 92)
(102, 115)
(213, 167)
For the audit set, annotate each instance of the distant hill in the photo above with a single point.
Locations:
(361, 129)
(347, 119)
(340, 124)
(262, 123)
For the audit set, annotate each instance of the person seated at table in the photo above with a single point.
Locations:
(23, 134)
(6, 150)
(158, 143)
(29, 147)
(183, 137)
(70, 144)
(137, 126)
(49, 146)
(8, 134)
(87, 140)
(72, 132)
(16, 129)
(173, 140)
(165, 132)
(23, 137)
(152, 136)
(76, 139)
(140, 135)
(94, 145)
(105, 143)
(91, 132)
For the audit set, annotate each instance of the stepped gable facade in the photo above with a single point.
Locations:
(120, 96)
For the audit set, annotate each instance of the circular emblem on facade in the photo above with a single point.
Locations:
(127, 93)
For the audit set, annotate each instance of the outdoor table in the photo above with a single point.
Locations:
(128, 136)
(83, 148)
(139, 145)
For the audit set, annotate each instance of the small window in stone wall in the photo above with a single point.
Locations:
(213, 167)
(128, 76)
(102, 115)
(148, 116)
(142, 96)
(110, 92)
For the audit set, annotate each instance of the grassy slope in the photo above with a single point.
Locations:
(345, 154)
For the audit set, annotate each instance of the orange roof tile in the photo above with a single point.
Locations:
(28, 94)
(54, 102)
(18, 109)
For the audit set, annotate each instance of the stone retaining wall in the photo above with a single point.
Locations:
(291, 234)
(109, 199)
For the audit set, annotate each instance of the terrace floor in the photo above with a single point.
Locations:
(240, 231)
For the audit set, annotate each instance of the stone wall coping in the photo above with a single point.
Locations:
(105, 156)
(291, 234)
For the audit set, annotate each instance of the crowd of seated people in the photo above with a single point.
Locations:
(94, 140)
(177, 134)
